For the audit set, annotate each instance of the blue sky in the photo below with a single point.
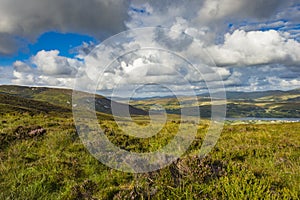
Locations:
(64, 42)
(254, 44)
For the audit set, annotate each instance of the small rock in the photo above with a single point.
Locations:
(37, 132)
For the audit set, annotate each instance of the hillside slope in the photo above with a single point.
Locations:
(46, 100)
(10, 103)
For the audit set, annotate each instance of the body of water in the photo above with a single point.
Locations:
(264, 119)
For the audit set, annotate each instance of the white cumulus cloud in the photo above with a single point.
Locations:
(243, 48)
(50, 63)
(47, 68)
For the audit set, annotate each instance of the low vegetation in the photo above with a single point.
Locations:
(250, 161)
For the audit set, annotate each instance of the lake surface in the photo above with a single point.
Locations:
(264, 119)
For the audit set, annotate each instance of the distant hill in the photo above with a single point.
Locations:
(52, 100)
(266, 104)
(271, 94)
(267, 95)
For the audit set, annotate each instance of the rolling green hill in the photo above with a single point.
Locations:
(47, 100)
(12, 103)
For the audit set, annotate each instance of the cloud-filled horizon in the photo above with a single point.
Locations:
(255, 45)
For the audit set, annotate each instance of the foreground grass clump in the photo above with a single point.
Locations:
(249, 162)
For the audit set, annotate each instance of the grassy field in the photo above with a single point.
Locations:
(250, 161)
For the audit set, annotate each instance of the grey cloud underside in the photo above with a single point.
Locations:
(180, 43)
(8, 44)
(22, 67)
(213, 12)
(262, 8)
(30, 18)
(254, 8)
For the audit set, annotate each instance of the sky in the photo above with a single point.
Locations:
(251, 45)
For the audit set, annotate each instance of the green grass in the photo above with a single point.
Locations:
(250, 161)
